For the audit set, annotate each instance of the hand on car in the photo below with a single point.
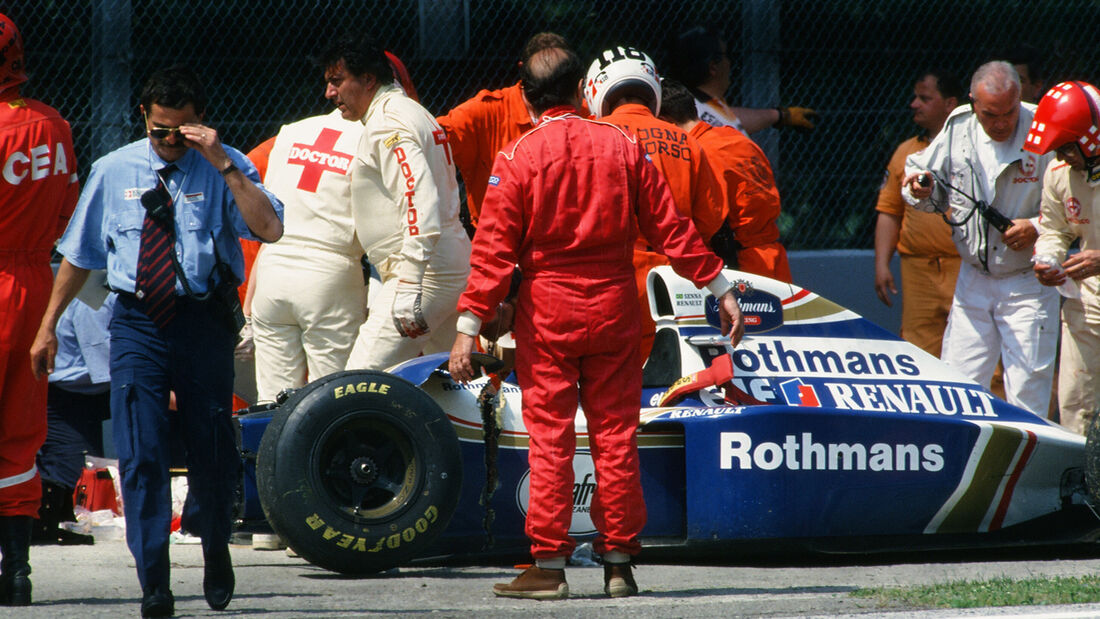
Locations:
(460, 365)
(733, 323)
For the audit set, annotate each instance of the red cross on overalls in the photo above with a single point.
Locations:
(323, 150)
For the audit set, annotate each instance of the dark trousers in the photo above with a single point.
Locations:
(193, 357)
(75, 427)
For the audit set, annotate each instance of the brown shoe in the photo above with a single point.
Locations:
(535, 583)
(618, 581)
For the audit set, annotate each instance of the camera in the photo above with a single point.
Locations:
(229, 303)
(158, 204)
(994, 217)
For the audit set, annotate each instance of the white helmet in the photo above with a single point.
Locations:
(618, 72)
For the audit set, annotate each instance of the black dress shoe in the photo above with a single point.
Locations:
(218, 581)
(158, 602)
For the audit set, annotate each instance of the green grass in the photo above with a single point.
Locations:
(996, 592)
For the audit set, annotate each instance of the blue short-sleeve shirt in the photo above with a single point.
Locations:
(105, 230)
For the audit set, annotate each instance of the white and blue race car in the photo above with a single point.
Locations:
(819, 431)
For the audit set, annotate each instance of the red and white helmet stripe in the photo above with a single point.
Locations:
(1068, 112)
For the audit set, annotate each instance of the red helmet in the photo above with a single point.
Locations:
(1069, 112)
(12, 72)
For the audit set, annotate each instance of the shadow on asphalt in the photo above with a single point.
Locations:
(825, 558)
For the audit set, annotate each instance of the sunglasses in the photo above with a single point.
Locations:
(160, 133)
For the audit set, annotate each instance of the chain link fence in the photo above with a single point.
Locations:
(854, 61)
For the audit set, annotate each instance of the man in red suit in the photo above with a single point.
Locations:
(565, 202)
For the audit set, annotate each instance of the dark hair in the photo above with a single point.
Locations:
(677, 102)
(550, 78)
(361, 54)
(541, 41)
(174, 87)
(691, 52)
(947, 83)
(1028, 55)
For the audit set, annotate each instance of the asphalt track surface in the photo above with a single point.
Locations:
(100, 581)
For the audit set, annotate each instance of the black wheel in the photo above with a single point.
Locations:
(359, 472)
(1092, 461)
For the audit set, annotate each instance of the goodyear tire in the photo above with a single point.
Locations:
(359, 472)
(1092, 461)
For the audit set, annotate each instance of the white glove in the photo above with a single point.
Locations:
(407, 316)
(246, 348)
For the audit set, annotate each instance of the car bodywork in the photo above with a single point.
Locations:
(833, 434)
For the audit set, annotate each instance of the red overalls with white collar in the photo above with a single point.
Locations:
(38, 191)
(562, 203)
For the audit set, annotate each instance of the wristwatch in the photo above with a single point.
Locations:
(229, 169)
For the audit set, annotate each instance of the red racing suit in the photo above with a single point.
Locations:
(38, 192)
(565, 202)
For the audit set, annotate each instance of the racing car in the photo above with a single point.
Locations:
(820, 431)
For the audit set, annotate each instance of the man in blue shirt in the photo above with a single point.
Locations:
(78, 403)
(200, 197)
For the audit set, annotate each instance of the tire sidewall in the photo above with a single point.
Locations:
(300, 509)
(1092, 461)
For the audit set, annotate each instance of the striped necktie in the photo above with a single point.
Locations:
(156, 275)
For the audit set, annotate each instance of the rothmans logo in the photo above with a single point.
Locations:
(762, 311)
(800, 452)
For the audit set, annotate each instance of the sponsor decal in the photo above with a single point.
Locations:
(133, 193)
(1025, 179)
(318, 158)
(799, 393)
(351, 541)
(410, 185)
(593, 83)
(688, 413)
(191, 198)
(906, 398)
(1028, 165)
(689, 299)
(737, 450)
(762, 311)
(584, 486)
(363, 387)
(390, 141)
(985, 491)
(1073, 212)
(439, 137)
(775, 356)
(36, 164)
(476, 386)
(759, 388)
(798, 372)
(664, 141)
(912, 398)
(1073, 207)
